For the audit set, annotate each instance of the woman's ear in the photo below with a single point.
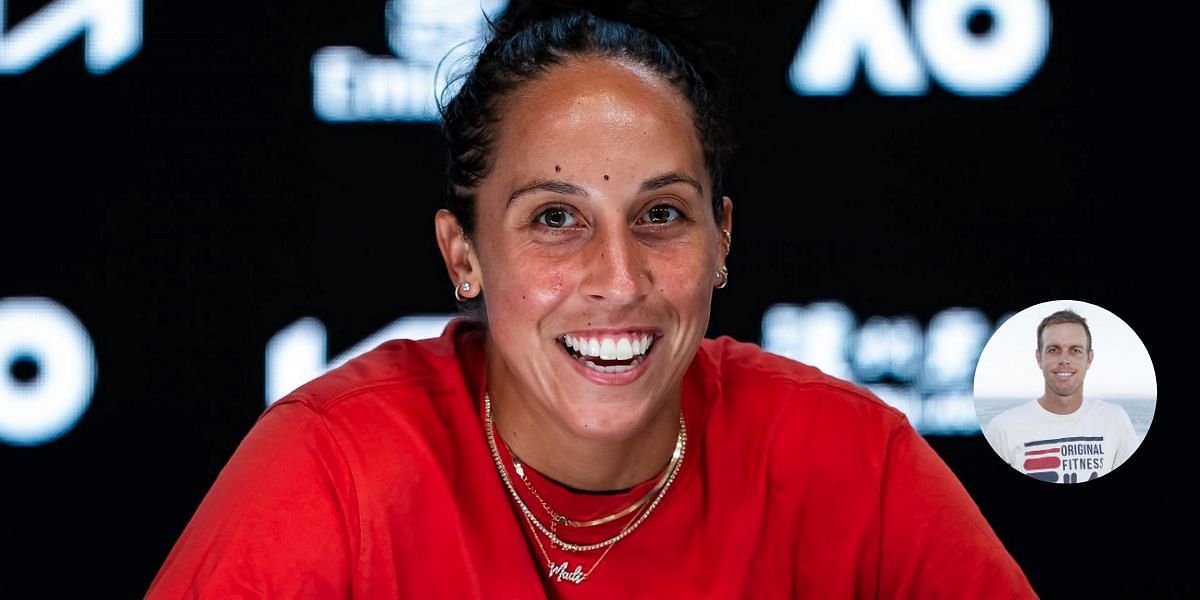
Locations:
(462, 264)
(727, 221)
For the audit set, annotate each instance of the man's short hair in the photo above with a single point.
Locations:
(1060, 317)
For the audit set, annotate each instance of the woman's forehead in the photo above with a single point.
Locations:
(587, 107)
(587, 88)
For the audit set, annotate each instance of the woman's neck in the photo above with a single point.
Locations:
(544, 442)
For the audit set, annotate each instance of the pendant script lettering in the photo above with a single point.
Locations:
(561, 573)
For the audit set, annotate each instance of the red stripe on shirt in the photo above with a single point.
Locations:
(1047, 462)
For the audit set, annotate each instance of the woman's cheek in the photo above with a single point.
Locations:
(685, 272)
(546, 286)
(531, 278)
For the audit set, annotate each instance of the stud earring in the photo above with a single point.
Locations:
(465, 287)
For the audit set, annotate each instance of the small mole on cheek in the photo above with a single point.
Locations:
(606, 177)
(522, 297)
(557, 168)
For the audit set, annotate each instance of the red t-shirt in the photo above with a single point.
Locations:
(376, 481)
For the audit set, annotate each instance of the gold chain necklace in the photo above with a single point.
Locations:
(676, 459)
(561, 571)
(557, 518)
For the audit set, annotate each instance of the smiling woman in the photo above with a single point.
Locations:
(579, 437)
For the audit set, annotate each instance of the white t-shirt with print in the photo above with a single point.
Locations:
(1080, 446)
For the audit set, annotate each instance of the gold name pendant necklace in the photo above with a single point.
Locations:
(640, 509)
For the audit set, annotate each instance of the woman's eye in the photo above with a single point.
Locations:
(556, 218)
(662, 213)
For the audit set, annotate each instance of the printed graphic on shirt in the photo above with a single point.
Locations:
(1064, 459)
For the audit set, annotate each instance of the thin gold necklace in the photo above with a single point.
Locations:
(676, 460)
(562, 571)
(558, 518)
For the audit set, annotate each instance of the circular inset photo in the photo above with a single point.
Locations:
(1065, 391)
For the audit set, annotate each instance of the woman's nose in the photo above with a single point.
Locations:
(616, 267)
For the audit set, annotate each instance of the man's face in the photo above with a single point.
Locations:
(1064, 358)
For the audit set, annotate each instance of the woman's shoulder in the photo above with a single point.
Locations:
(804, 424)
(751, 379)
(405, 406)
(399, 376)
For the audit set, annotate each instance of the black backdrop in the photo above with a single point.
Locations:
(188, 205)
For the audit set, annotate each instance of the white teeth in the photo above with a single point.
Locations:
(612, 368)
(609, 349)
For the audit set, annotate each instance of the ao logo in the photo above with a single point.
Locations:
(49, 370)
(994, 62)
(430, 40)
(111, 29)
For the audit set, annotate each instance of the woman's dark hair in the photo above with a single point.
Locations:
(533, 37)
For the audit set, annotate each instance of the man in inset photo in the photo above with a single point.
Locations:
(1063, 436)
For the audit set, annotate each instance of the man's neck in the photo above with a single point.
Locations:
(1061, 405)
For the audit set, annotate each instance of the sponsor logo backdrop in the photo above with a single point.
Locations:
(202, 205)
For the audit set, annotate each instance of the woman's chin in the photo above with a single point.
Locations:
(609, 418)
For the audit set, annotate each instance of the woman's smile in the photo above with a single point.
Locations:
(610, 358)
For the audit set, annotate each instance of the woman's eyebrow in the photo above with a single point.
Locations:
(561, 187)
(548, 185)
(666, 179)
